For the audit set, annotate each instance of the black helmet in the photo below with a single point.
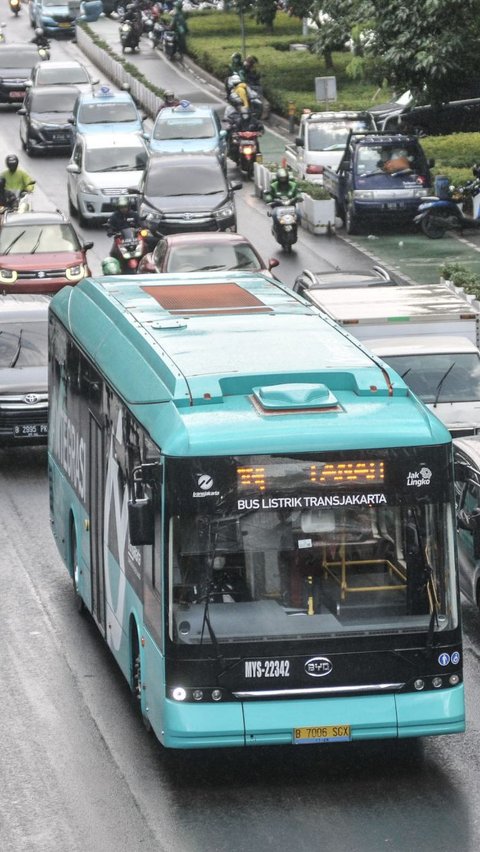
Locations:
(169, 96)
(11, 162)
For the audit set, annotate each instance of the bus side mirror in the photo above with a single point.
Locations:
(140, 521)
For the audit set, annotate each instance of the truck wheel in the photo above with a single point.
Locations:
(351, 223)
(433, 227)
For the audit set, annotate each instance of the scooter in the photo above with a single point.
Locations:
(459, 210)
(245, 143)
(156, 33)
(129, 37)
(129, 246)
(15, 6)
(170, 45)
(284, 222)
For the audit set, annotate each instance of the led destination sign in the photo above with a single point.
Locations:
(325, 474)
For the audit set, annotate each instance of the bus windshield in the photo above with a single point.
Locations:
(293, 548)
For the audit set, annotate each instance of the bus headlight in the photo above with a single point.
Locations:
(419, 683)
(179, 693)
(454, 680)
(216, 694)
(437, 682)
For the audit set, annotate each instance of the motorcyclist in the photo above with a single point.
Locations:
(180, 28)
(235, 68)
(241, 95)
(7, 199)
(16, 180)
(250, 73)
(171, 100)
(283, 186)
(124, 216)
(134, 16)
(111, 266)
(40, 39)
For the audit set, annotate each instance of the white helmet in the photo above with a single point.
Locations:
(234, 80)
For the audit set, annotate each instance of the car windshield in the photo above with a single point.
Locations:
(54, 3)
(60, 76)
(294, 547)
(182, 179)
(23, 58)
(106, 112)
(115, 159)
(34, 340)
(217, 256)
(390, 159)
(38, 239)
(184, 128)
(50, 102)
(458, 373)
(331, 135)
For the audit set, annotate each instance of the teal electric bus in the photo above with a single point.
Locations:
(257, 512)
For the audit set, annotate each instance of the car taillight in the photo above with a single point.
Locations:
(314, 170)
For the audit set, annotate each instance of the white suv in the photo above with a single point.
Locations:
(102, 168)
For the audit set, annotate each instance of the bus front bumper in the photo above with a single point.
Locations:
(229, 724)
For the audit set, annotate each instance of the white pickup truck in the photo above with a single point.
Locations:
(429, 334)
(321, 141)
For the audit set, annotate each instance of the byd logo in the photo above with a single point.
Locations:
(318, 667)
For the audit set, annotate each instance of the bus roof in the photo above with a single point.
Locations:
(243, 348)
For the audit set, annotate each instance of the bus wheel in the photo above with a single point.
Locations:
(137, 684)
(76, 572)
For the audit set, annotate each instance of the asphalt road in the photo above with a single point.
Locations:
(79, 773)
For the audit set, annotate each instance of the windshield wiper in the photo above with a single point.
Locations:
(439, 386)
(17, 238)
(431, 591)
(402, 375)
(369, 174)
(33, 250)
(18, 350)
(121, 166)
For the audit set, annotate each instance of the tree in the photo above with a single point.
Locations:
(265, 13)
(428, 46)
(333, 19)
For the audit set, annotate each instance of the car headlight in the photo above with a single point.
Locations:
(224, 212)
(363, 193)
(75, 273)
(8, 276)
(84, 186)
(420, 192)
(150, 215)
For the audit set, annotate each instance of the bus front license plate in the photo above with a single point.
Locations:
(322, 734)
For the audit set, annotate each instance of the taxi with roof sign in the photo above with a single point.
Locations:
(189, 129)
(106, 111)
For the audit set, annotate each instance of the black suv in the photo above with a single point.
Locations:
(23, 369)
(16, 63)
(187, 193)
(45, 124)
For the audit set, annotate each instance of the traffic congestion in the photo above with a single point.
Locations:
(240, 469)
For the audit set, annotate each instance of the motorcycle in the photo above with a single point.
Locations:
(156, 34)
(170, 45)
(129, 36)
(284, 222)
(129, 246)
(15, 6)
(245, 143)
(459, 210)
(44, 51)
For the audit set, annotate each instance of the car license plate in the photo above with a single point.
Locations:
(65, 24)
(17, 94)
(30, 430)
(322, 734)
(60, 137)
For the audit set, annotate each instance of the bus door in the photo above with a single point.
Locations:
(95, 508)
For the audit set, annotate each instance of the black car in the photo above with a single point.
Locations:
(308, 280)
(16, 63)
(45, 124)
(23, 369)
(187, 193)
(404, 115)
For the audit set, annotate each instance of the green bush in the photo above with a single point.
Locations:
(314, 190)
(462, 277)
(454, 155)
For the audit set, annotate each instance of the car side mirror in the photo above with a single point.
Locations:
(273, 262)
(71, 119)
(431, 162)
(95, 82)
(87, 246)
(236, 185)
(21, 111)
(223, 134)
(73, 169)
(140, 522)
(299, 142)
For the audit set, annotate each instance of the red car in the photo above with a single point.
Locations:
(204, 251)
(40, 253)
